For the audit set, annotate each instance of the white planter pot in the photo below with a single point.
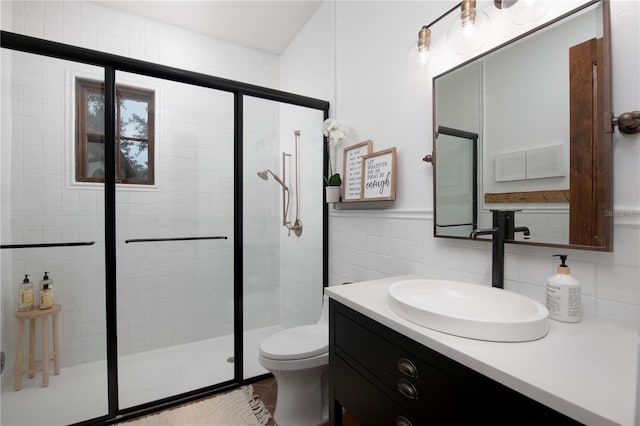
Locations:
(333, 194)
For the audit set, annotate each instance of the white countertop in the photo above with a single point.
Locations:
(585, 370)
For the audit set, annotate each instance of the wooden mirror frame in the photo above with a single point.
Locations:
(591, 170)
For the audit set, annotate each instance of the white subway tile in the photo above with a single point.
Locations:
(34, 18)
(618, 283)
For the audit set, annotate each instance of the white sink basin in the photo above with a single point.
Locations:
(469, 310)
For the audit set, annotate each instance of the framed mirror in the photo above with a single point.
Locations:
(539, 106)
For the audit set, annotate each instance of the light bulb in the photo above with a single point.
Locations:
(422, 53)
(424, 45)
(468, 31)
(528, 11)
(468, 14)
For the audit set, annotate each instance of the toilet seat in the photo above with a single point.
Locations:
(296, 343)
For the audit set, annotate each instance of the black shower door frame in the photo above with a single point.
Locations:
(111, 64)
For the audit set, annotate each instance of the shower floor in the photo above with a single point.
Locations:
(80, 392)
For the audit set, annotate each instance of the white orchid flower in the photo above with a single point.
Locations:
(335, 133)
(328, 126)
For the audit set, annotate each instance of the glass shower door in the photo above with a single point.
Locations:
(282, 268)
(175, 222)
(49, 222)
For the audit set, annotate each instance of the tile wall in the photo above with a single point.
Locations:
(374, 245)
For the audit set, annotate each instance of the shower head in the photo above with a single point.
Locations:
(264, 174)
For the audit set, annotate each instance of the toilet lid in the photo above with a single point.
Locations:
(296, 343)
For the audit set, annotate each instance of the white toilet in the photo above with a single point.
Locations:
(299, 359)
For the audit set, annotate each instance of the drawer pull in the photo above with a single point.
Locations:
(402, 421)
(406, 389)
(407, 368)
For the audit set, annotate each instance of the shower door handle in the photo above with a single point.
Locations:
(150, 240)
(44, 245)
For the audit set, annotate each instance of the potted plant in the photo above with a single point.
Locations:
(335, 133)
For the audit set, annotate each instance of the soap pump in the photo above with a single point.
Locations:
(25, 295)
(563, 294)
(46, 292)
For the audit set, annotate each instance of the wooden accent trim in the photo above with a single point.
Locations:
(551, 196)
(604, 160)
(590, 147)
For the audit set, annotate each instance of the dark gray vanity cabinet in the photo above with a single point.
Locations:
(384, 378)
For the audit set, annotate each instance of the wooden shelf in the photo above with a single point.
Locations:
(552, 196)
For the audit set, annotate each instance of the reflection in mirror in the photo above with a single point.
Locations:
(539, 133)
(457, 184)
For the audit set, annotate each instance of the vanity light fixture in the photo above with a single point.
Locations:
(468, 32)
(421, 53)
(504, 4)
(424, 43)
(523, 12)
(468, 13)
(419, 58)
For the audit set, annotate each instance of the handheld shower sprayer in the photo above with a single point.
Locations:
(264, 174)
(296, 227)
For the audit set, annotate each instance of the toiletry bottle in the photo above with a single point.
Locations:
(25, 294)
(563, 294)
(46, 292)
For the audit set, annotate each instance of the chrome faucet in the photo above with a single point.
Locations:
(503, 230)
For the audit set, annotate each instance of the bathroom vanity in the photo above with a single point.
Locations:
(386, 370)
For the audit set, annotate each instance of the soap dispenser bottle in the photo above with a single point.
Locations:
(46, 292)
(25, 294)
(563, 294)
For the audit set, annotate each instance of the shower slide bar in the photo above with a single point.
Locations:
(40, 245)
(149, 240)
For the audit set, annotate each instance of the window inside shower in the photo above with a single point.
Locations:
(166, 290)
(135, 124)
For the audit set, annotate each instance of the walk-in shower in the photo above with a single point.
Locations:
(184, 271)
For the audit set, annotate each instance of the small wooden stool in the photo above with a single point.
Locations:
(32, 315)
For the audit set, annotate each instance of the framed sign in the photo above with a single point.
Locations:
(352, 169)
(379, 175)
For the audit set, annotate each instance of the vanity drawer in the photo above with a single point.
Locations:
(412, 383)
(363, 400)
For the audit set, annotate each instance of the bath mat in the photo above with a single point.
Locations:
(238, 407)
